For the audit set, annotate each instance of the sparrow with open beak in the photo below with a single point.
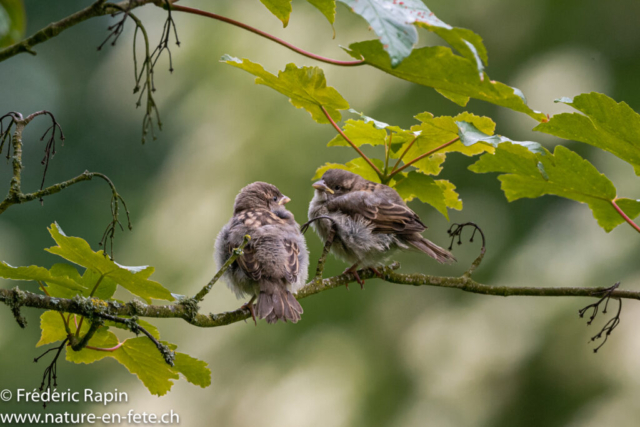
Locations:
(372, 221)
(274, 263)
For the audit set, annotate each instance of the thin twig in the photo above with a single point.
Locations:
(327, 244)
(51, 371)
(387, 152)
(404, 152)
(235, 253)
(146, 70)
(422, 156)
(456, 231)
(333, 123)
(266, 35)
(167, 353)
(97, 8)
(612, 323)
(64, 322)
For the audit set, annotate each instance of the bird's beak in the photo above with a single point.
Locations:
(320, 185)
(284, 200)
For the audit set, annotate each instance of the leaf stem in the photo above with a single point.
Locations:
(625, 216)
(266, 35)
(105, 349)
(93, 291)
(374, 167)
(65, 322)
(404, 152)
(95, 288)
(387, 152)
(422, 156)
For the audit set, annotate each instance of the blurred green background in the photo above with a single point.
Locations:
(386, 356)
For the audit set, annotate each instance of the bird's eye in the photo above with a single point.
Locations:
(275, 198)
(337, 188)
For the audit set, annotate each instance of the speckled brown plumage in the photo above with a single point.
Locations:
(275, 261)
(372, 221)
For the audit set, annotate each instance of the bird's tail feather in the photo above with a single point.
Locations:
(434, 251)
(275, 303)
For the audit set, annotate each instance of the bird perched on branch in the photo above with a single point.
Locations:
(274, 263)
(372, 221)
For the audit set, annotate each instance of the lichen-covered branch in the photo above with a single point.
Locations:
(96, 308)
(98, 8)
(325, 253)
(15, 195)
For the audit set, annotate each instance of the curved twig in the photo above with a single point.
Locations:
(456, 231)
(234, 255)
(266, 35)
(167, 353)
(98, 8)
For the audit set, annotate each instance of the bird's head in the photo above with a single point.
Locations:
(336, 182)
(260, 195)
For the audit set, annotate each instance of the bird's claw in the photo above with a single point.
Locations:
(250, 306)
(353, 270)
(377, 272)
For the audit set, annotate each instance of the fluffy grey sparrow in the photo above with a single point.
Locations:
(275, 261)
(372, 221)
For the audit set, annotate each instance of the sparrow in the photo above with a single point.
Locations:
(274, 262)
(371, 221)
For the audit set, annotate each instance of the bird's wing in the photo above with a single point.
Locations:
(249, 262)
(386, 216)
(266, 246)
(291, 263)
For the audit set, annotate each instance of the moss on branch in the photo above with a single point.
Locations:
(97, 308)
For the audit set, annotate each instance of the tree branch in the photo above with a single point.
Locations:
(97, 308)
(16, 196)
(98, 8)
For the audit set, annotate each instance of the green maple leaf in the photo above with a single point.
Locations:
(453, 76)
(327, 7)
(606, 124)
(394, 23)
(41, 274)
(282, 9)
(306, 87)
(139, 355)
(134, 279)
(360, 133)
(440, 194)
(358, 166)
(563, 173)
(142, 358)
